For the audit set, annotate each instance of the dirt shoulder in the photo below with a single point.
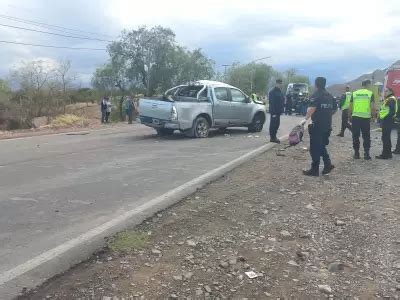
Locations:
(302, 238)
(93, 126)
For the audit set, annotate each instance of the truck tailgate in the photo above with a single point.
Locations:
(153, 108)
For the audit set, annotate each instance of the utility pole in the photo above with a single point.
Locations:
(226, 66)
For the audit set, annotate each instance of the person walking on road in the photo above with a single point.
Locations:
(103, 109)
(320, 111)
(361, 110)
(386, 116)
(276, 108)
(344, 106)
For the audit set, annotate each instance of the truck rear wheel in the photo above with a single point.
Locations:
(200, 128)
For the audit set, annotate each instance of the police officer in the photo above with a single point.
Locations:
(361, 109)
(276, 108)
(397, 123)
(344, 106)
(320, 111)
(386, 117)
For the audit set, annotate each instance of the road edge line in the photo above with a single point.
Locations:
(87, 243)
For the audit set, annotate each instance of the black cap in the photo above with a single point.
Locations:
(366, 82)
(320, 82)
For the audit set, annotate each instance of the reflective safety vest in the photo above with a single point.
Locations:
(346, 103)
(385, 110)
(397, 115)
(362, 103)
(254, 97)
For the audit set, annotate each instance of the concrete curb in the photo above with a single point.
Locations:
(59, 259)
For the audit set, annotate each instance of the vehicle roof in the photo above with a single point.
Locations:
(214, 83)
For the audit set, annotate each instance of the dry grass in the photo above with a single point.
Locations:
(69, 120)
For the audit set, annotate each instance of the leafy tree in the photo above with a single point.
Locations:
(250, 78)
(150, 61)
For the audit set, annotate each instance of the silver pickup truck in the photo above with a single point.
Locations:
(196, 107)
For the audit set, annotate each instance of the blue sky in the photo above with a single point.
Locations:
(337, 39)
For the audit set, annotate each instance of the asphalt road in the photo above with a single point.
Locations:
(53, 188)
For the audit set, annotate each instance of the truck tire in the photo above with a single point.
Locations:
(200, 129)
(257, 124)
(165, 131)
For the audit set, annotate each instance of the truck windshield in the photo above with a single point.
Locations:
(302, 88)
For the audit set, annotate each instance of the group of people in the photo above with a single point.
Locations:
(358, 110)
(106, 107)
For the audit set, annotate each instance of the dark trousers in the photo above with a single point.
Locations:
(103, 115)
(361, 126)
(274, 124)
(304, 108)
(130, 116)
(387, 126)
(107, 116)
(345, 121)
(288, 108)
(318, 142)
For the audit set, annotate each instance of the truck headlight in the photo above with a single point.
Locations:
(174, 113)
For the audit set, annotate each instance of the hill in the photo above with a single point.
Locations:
(377, 75)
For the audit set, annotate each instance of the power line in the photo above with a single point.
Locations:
(52, 33)
(51, 46)
(49, 26)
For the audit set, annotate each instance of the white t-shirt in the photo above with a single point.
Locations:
(109, 106)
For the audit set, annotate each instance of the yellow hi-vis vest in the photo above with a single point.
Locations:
(362, 103)
(385, 110)
(346, 103)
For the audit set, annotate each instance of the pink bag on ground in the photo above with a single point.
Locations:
(296, 135)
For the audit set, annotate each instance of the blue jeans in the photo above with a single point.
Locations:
(103, 115)
(318, 142)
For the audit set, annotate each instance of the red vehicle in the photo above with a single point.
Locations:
(392, 79)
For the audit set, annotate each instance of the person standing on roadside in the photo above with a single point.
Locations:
(361, 110)
(344, 106)
(320, 110)
(386, 116)
(108, 109)
(397, 122)
(103, 109)
(130, 107)
(276, 108)
(288, 104)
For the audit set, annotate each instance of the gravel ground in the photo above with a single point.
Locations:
(262, 231)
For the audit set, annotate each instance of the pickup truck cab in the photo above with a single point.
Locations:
(196, 107)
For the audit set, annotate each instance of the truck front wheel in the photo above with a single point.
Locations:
(258, 123)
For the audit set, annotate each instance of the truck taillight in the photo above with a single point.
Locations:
(174, 113)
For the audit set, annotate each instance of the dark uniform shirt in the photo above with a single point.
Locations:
(276, 101)
(325, 108)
